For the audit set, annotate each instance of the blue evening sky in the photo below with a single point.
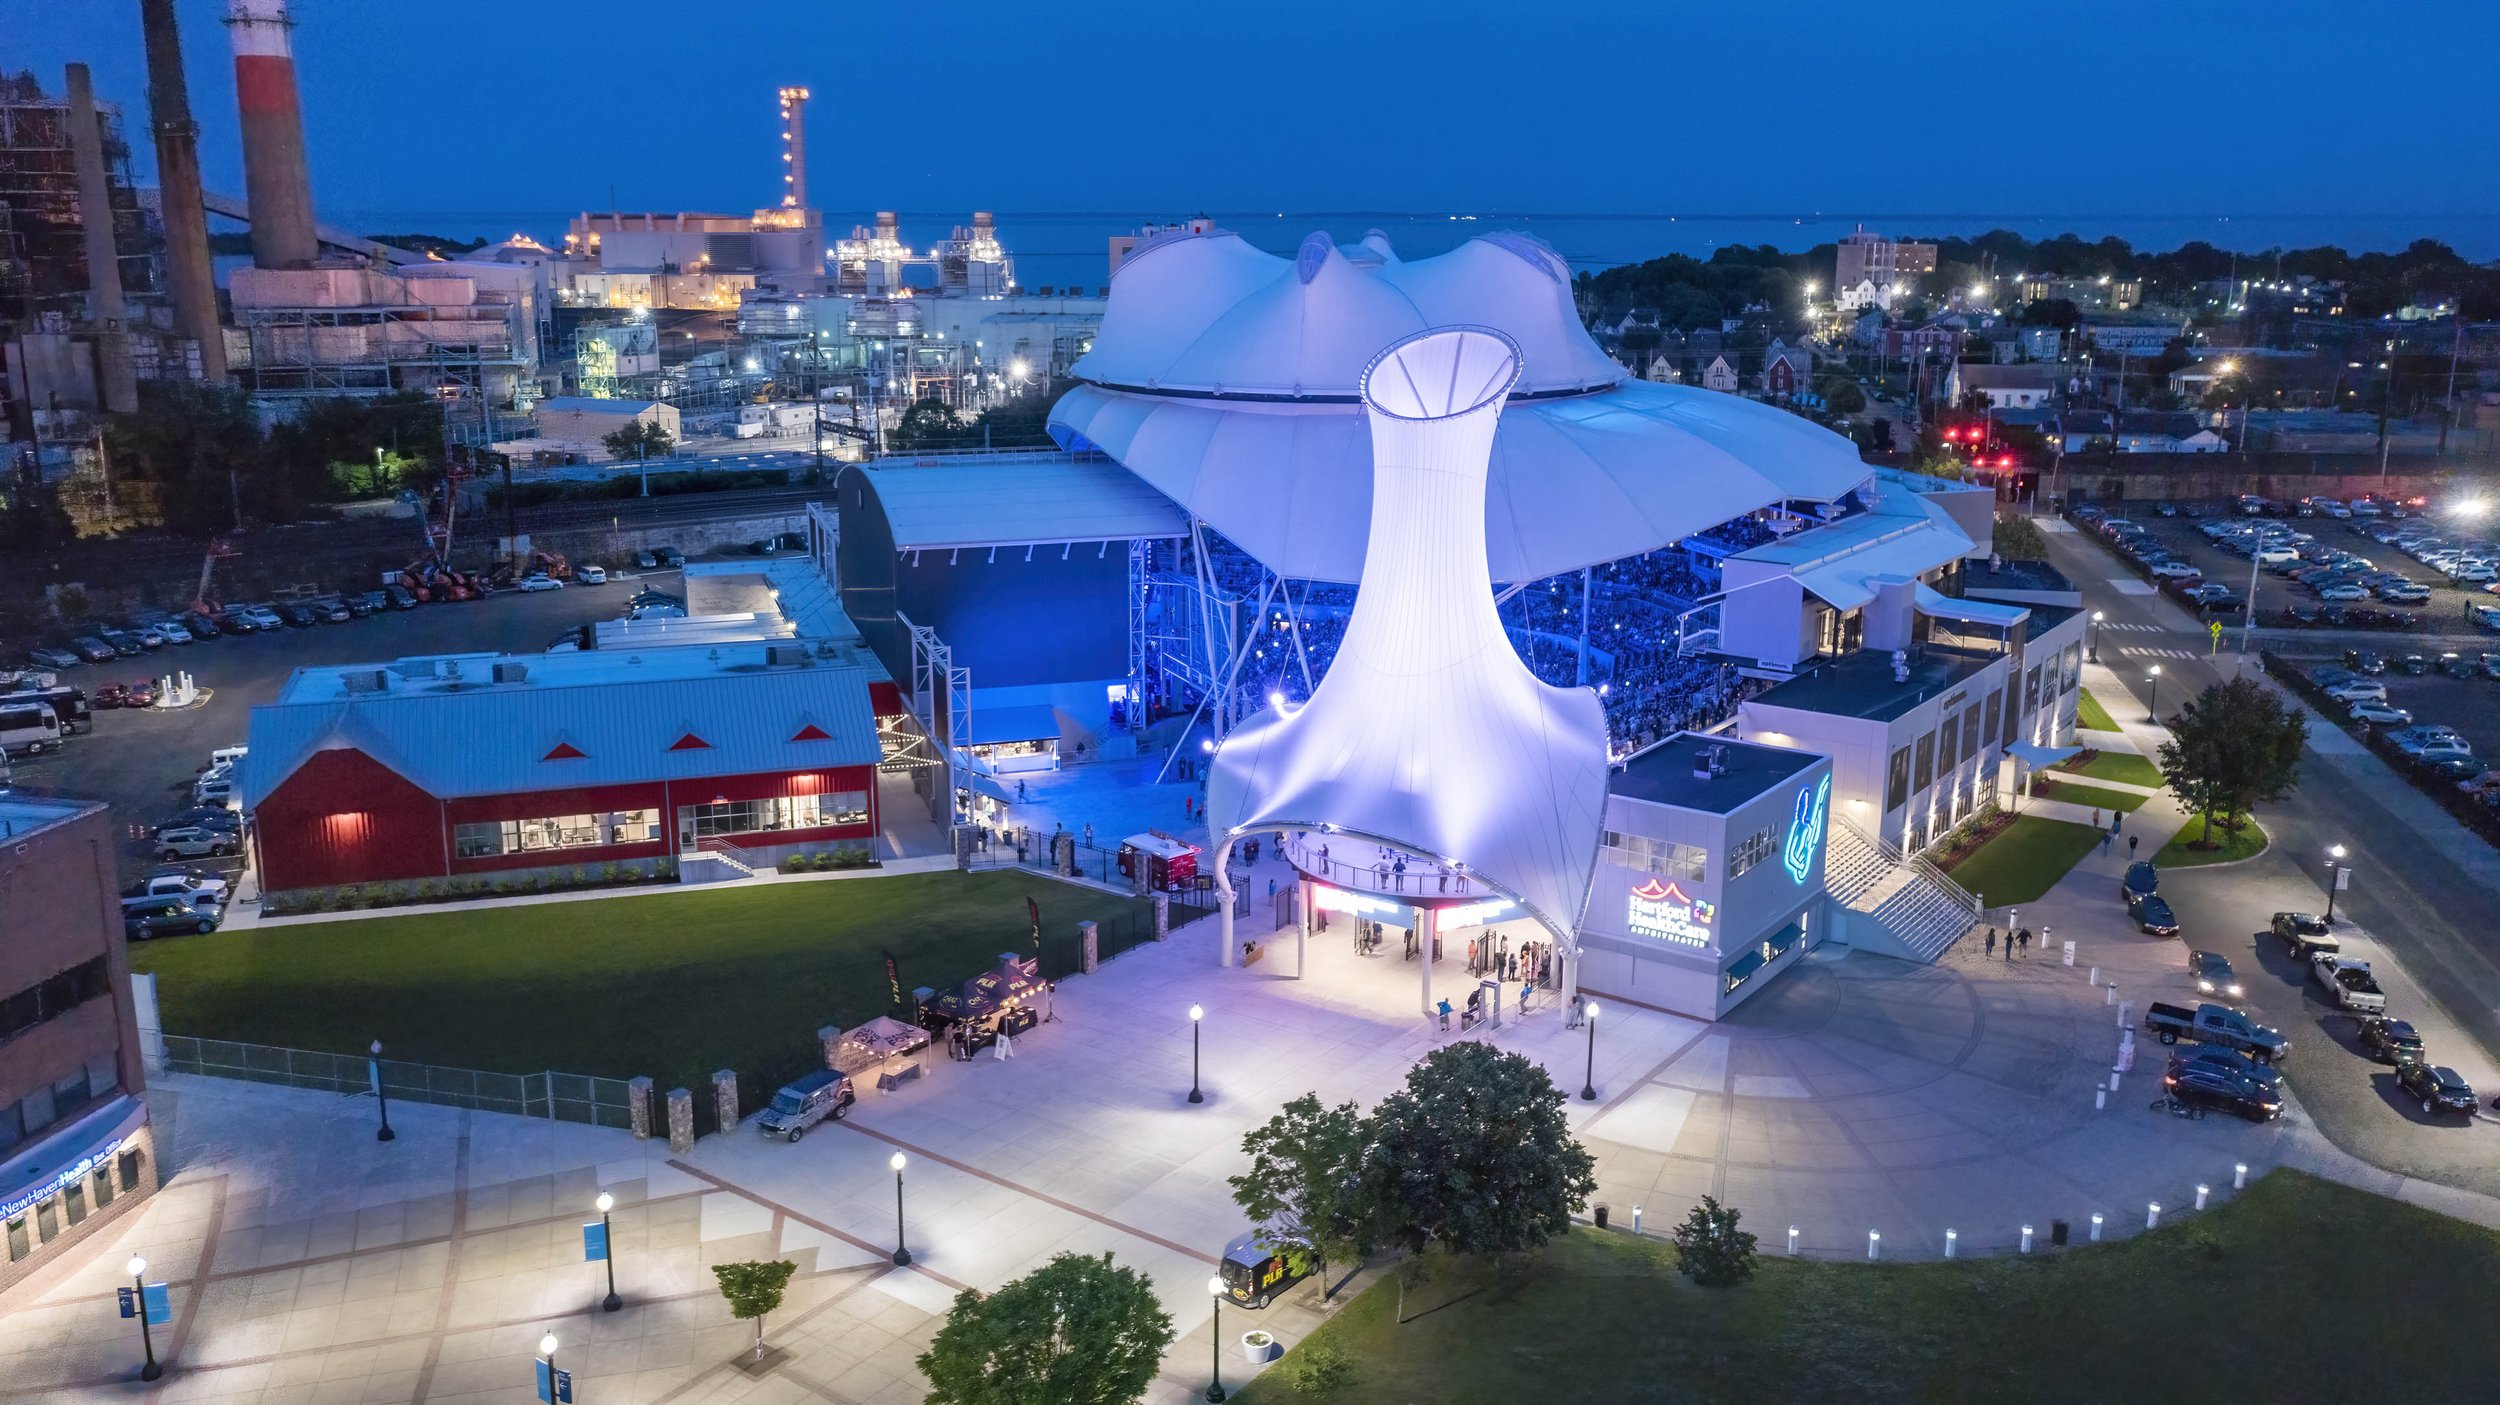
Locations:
(2119, 108)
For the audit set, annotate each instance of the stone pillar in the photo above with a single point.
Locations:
(1301, 927)
(725, 1098)
(1163, 916)
(680, 1121)
(1426, 932)
(638, 1107)
(828, 1040)
(1089, 958)
(1063, 853)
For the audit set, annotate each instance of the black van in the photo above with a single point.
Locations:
(1253, 1276)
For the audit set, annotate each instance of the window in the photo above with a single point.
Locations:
(1926, 770)
(1995, 706)
(844, 807)
(55, 996)
(70, 1095)
(103, 1186)
(1972, 741)
(488, 839)
(1645, 855)
(128, 1164)
(12, 1127)
(1750, 850)
(1946, 736)
(2031, 689)
(20, 1243)
(1897, 785)
(36, 1108)
(75, 1198)
(2072, 671)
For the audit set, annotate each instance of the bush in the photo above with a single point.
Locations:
(1318, 1368)
(850, 856)
(799, 863)
(1709, 1247)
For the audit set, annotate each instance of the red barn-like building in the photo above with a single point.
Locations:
(433, 770)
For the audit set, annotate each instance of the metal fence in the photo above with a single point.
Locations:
(558, 1097)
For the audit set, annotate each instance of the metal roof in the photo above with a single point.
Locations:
(1017, 501)
(487, 738)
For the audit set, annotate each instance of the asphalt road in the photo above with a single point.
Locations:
(2421, 883)
(143, 761)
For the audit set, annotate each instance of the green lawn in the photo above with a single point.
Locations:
(2092, 795)
(2025, 860)
(672, 985)
(2126, 767)
(2090, 713)
(1603, 1317)
(2248, 842)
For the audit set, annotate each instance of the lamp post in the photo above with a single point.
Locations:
(547, 1350)
(2336, 868)
(2092, 644)
(1196, 1014)
(1215, 1342)
(381, 1098)
(1588, 1079)
(607, 1238)
(2152, 690)
(901, 1254)
(139, 1299)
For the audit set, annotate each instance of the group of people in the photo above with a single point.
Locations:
(1493, 955)
(2019, 937)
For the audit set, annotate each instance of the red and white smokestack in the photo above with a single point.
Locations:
(794, 148)
(276, 177)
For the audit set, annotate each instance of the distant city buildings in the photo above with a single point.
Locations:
(1873, 270)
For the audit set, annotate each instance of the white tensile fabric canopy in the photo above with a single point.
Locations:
(1427, 732)
(1226, 377)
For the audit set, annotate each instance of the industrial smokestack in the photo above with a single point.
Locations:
(276, 179)
(794, 147)
(117, 384)
(188, 273)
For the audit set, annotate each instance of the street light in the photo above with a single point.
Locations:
(381, 1098)
(547, 1349)
(2336, 868)
(2152, 690)
(1588, 1079)
(901, 1254)
(607, 1241)
(2092, 648)
(139, 1299)
(1215, 1342)
(1196, 1013)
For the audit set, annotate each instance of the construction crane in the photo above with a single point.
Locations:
(201, 600)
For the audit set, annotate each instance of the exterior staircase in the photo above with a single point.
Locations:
(711, 861)
(1897, 904)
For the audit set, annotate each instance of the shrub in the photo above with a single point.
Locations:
(581, 876)
(849, 856)
(1319, 1368)
(1709, 1247)
(608, 872)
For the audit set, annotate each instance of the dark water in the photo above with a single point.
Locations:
(1059, 249)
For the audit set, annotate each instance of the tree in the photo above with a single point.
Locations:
(1709, 1247)
(2019, 539)
(1301, 1186)
(2231, 746)
(641, 440)
(1842, 394)
(1079, 1330)
(754, 1289)
(1472, 1154)
(928, 424)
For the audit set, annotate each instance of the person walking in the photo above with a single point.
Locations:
(2107, 835)
(2131, 840)
(1444, 1008)
(1992, 942)
(2025, 939)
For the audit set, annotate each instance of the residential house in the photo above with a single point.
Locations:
(1934, 342)
(1719, 375)
(2042, 343)
(2165, 432)
(2006, 387)
(1786, 370)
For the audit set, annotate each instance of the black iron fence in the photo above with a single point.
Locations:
(558, 1097)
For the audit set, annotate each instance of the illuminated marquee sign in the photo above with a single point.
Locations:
(1806, 830)
(70, 1175)
(1339, 900)
(1661, 910)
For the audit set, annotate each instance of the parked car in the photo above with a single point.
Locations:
(2381, 714)
(195, 842)
(2369, 661)
(400, 596)
(158, 916)
(263, 617)
(2215, 1024)
(122, 642)
(646, 561)
(111, 695)
(174, 632)
(2347, 983)
(539, 580)
(95, 650)
(2358, 690)
(195, 884)
(2213, 975)
(53, 658)
(139, 692)
(803, 1104)
(2230, 1061)
(591, 575)
(2174, 570)
(200, 817)
(330, 609)
(670, 557)
(2215, 1090)
(2439, 1087)
(2304, 934)
(238, 621)
(2141, 877)
(2391, 1041)
(2151, 914)
(202, 625)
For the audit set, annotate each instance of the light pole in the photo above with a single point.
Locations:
(607, 1240)
(1196, 1014)
(1588, 1079)
(2335, 871)
(381, 1098)
(2092, 645)
(2152, 690)
(139, 1299)
(1215, 1342)
(547, 1349)
(901, 1254)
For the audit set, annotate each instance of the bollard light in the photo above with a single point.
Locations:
(1874, 1243)
(1636, 1221)
(2026, 1239)
(2201, 1193)
(2094, 978)
(1950, 1239)
(2100, 1099)
(1792, 1241)
(2096, 1229)
(2113, 1080)
(2152, 1215)
(2111, 998)
(2239, 1176)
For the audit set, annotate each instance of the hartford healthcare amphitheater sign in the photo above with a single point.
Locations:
(1661, 910)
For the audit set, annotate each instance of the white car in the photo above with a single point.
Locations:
(592, 575)
(2477, 571)
(203, 889)
(175, 632)
(2381, 714)
(2358, 690)
(540, 581)
(192, 842)
(2270, 555)
(2438, 749)
(2175, 570)
(2343, 592)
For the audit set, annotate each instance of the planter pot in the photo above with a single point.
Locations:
(1258, 1347)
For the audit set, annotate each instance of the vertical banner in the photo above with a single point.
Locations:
(159, 1304)
(594, 1242)
(1033, 910)
(893, 979)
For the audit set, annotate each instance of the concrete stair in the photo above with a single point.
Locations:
(1899, 905)
(711, 863)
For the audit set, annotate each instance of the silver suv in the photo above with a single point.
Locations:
(805, 1103)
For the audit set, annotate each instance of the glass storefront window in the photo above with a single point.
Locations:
(488, 839)
(836, 808)
(1645, 855)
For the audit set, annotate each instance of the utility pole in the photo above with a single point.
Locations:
(2448, 412)
(2386, 402)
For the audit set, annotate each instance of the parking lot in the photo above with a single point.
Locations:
(2444, 612)
(143, 761)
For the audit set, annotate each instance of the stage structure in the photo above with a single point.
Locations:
(1429, 769)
